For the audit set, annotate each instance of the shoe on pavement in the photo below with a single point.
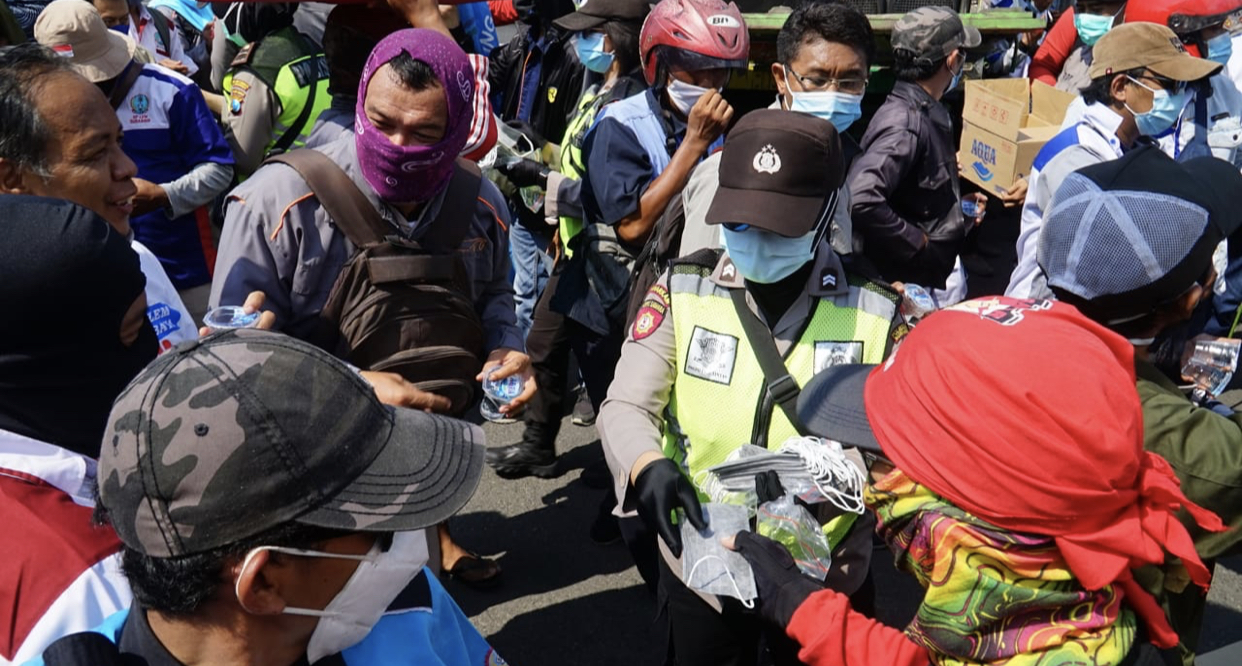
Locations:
(518, 461)
(584, 414)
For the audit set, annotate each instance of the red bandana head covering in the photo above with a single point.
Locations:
(1025, 413)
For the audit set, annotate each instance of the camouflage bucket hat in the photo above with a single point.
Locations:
(933, 33)
(228, 436)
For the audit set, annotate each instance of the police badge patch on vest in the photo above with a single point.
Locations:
(830, 353)
(651, 314)
(711, 356)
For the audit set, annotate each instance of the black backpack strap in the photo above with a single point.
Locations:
(124, 83)
(162, 28)
(447, 231)
(348, 207)
(781, 385)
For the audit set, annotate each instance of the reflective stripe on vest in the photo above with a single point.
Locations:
(719, 387)
(572, 165)
(293, 85)
(290, 56)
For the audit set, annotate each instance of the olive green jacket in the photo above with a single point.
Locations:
(1205, 450)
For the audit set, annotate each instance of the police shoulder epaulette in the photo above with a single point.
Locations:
(705, 258)
(243, 56)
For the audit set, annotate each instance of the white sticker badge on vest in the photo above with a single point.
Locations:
(828, 354)
(711, 356)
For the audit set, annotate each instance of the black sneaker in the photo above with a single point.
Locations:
(518, 461)
(584, 414)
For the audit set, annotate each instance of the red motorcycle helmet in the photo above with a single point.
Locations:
(695, 35)
(1185, 17)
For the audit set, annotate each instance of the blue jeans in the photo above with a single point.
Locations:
(531, 267)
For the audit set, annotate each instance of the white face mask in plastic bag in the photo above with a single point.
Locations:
(354, 611)
(707, 566)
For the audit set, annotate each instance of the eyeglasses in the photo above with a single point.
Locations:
(736, 226)
(1169, 85)
(816, 84)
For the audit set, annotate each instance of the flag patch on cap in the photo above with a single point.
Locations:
(65, 50)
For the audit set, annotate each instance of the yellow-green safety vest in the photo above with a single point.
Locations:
(719, 400)
(297, 73)
(572, 164)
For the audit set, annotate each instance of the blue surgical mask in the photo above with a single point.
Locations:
(591, 52)
(1165, 110)
(1091, 27)
(838, 108)
(1220, 48)
(122, 28)
(957, 78)
(764, 257)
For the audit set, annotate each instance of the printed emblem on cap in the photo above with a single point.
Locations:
(723, 21)
(1003, 311)
(63, 50)
(1177, 44)
(767, 160)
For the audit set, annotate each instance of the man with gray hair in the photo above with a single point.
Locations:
(183, 159)
(60, 139)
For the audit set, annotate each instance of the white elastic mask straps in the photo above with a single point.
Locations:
(354, 611)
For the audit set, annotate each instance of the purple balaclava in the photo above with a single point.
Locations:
(415, 174)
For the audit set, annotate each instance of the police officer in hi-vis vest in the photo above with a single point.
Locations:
(690, 388)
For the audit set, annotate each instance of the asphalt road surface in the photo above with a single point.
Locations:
(566, 601)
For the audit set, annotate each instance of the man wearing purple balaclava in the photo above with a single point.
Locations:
(415, 103)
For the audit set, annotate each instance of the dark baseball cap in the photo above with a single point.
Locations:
(595, 13)
(933, 33)
(778, 170)
(1123, 236)
(225, 437)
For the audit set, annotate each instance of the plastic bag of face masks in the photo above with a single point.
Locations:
(706, 565)
(790, 524)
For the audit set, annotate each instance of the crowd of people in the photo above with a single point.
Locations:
(267, 267)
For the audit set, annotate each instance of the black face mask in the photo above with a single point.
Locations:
(66, 281)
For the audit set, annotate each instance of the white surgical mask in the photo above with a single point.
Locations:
(684, 95)
(840, 109)
(354, 611)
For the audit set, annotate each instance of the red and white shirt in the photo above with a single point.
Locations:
(59, 573)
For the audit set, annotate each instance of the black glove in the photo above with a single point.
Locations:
(662, 488)
(527, 130)
(525, 173)
(782, 587)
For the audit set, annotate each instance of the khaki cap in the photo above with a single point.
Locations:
(74, 29)
(1147, 45)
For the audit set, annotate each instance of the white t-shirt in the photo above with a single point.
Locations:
(169, 317)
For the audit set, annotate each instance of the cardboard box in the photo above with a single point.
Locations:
(1004, 125)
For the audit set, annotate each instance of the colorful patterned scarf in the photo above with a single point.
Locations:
(994, 596)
